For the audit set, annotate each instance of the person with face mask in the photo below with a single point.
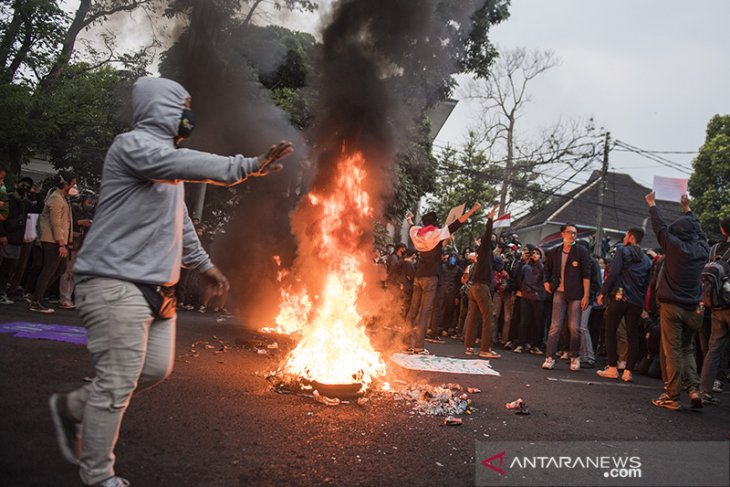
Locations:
(12, 229)
(567, 279)
(126, 270)
(56, 236)
(83, 213)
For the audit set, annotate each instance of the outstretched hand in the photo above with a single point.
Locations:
(217, 281)
(267, 161)
(684, 202)
(650, 199)
(493, 211)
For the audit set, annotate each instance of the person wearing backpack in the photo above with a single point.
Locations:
(719, 304)
(679, 293)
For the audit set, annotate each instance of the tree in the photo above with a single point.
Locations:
(709, 183)
(504, 96)
(465, 176)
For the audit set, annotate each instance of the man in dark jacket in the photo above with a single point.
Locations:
(678, 294)
(627, 283)
(720, 333)
(567, 278)
(13, 230)
(480, 297)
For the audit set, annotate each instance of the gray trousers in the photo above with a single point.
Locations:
(419, 313)
(679, 326)
(130, 351)
(718, 342)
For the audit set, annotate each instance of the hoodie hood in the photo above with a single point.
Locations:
(686, 228)
(158, 104)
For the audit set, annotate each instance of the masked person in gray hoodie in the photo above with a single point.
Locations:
(131, 259)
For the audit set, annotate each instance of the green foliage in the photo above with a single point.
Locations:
(32, 32)
(710, 180)
(81, 120)
(465, 176)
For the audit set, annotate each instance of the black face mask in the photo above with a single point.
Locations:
(22, 190)
(187, 124)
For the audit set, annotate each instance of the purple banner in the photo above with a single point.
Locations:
(40, 331)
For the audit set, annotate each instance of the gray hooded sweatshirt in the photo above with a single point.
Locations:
(141, 230)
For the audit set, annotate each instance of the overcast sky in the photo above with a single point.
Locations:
(653, 72)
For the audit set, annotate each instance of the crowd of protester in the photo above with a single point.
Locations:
(639, 310)
(42, 228)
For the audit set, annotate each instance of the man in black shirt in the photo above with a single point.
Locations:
(428, 240)
(480, 297)
(567, 278)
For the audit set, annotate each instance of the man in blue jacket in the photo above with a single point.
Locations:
(626, 284)
(130, 259)
(678, 293)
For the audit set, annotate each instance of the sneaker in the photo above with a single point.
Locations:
(113, 482)
(421, 351)
(709, 399)
(409, 350)
(717, 386)
(67, 306)
(38, 307)
(444, 333)
(563, 355)
(469, 351)
(509, 345)
(621, 365)
(67, 433)
(4, 299)
(536, 351)
(490, 354)
(627, 376)
(456, 336)
(202, 309)
(549, 363)
(696, 398)
(435, 339)
(608, 373)
(664, 401)
(188, 307)
(27, 298)
(518, 349)
(575, 364)
(587, 365)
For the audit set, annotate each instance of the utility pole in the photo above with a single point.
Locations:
(602, 187)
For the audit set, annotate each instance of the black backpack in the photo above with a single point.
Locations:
(716, 280)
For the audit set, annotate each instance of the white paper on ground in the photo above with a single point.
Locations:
(669, 189)
(435, 363)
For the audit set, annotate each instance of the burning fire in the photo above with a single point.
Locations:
(334, 348)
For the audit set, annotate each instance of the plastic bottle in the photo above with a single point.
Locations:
(620, 294)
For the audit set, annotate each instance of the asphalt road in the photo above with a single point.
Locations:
(217, 422)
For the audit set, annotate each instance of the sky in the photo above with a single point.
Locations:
(652, 72)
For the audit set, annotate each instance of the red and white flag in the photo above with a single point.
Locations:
(502, 221)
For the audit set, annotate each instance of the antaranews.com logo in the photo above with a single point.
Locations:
(616, 467)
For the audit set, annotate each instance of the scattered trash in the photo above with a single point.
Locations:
(473, 390)
(514, 404)
(439, 464)
(361, 401)
(520, 407)
(452, 421)
(444, 400)
(261, 351)
(328, 401)
(272, 346)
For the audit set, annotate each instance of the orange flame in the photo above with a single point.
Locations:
(335, 348)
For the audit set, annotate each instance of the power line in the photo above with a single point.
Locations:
(661, 160)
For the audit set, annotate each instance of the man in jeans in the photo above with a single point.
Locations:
(627, 284)
(678, 293)
(567, 278)
(56, 235)
(141, 234)
(480, 297)
(428, 240)
(720, 332)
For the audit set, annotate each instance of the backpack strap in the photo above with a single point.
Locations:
(713, 253)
